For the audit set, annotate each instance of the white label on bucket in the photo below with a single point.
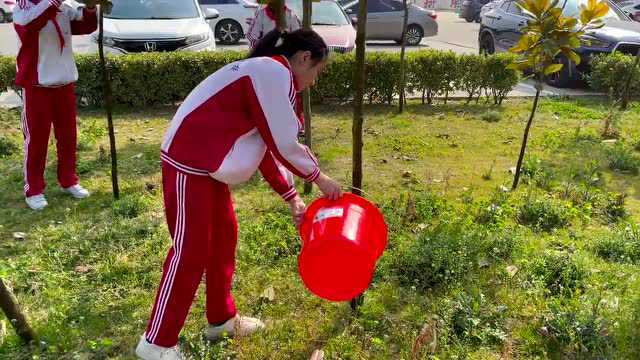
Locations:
(328, 213)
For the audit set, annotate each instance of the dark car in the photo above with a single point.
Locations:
(501, 29)
(470, 9)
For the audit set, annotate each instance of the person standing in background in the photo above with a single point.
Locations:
(265, 20)
(46, 72)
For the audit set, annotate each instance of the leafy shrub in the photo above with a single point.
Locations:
(559, 272)
(423, 65)
(471, 78)
(621, 158)
(498, 79)
(621, 246)
(534, 171)
(491, 116)
(478, 321)
(7, 147)
(609, 74)
(131, 206)
(544, 214)
(269, 238)
(383, 74)
(90, 134)
(439, 256)
(576, 331)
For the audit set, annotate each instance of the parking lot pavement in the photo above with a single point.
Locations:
(454, 34)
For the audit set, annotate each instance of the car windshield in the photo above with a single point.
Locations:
(153, 9)
(323, 13)
(572, 8)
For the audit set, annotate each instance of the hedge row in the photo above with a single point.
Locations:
(164, 78)
(610, 73)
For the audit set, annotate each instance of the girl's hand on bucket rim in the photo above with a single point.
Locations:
(298, 208)
(329, 187)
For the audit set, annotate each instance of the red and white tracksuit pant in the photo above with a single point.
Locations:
(43, 107)
(203, 226)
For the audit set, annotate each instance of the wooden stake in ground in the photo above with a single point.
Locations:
(15, 316)
(108, 105)
(403, 62)
(306, 95)
(358, 117)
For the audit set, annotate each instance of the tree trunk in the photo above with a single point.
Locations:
(359, 83)
(306, 95)
(525, 138)
(403, 65)
(627, 85)
(281, 19)
(15, 316)
(108, 105)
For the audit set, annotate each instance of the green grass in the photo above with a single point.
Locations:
(548, 271)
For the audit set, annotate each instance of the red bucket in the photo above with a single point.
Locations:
(341, 242)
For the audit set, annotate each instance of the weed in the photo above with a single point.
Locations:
(621, 246)
(491, 116)
(7, 147)
(477, 320)
(543, 213)
(559, 272)
(131, 206)
(269, 238)
(622, 159)
(90, 134)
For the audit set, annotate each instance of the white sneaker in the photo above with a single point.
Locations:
(77, 191)
(148, 351)
(238, 326)
(37, 202)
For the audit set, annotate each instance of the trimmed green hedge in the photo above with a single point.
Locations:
(609, 74)
(165, 78)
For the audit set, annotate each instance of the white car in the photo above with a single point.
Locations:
(157, 25)
(631, 8)
(232, 25)
(6, 10)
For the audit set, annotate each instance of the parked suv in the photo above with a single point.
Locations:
(470, 9)
(501, 29)
(385, 19)
(6, 10)
(232, 24)
(157, 25)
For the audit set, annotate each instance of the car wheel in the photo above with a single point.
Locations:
(487, 47)
(414, 35)
(565, 77)
(228, 32)
(3, 17)
(478, 19)
(469, 19)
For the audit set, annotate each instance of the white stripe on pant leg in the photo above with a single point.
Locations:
(182, 180)
(162, 293)
(162, 297)
(27, 139)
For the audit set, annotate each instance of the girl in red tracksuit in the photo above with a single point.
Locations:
(47, 73)
(238, 120)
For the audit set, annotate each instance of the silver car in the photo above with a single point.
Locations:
(385, 19)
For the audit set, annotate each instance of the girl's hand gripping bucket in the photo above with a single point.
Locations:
(341, 242)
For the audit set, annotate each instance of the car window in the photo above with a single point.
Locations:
(512, 8)
(637, 7)
(381, 6)
(322, 13)
(153, 9)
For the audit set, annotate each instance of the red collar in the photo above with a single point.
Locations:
(285, 62)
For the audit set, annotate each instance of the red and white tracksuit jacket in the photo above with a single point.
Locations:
(238, 120)
(264, 21)
(46, 71)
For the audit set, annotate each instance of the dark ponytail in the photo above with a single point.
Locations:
(288, 44)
